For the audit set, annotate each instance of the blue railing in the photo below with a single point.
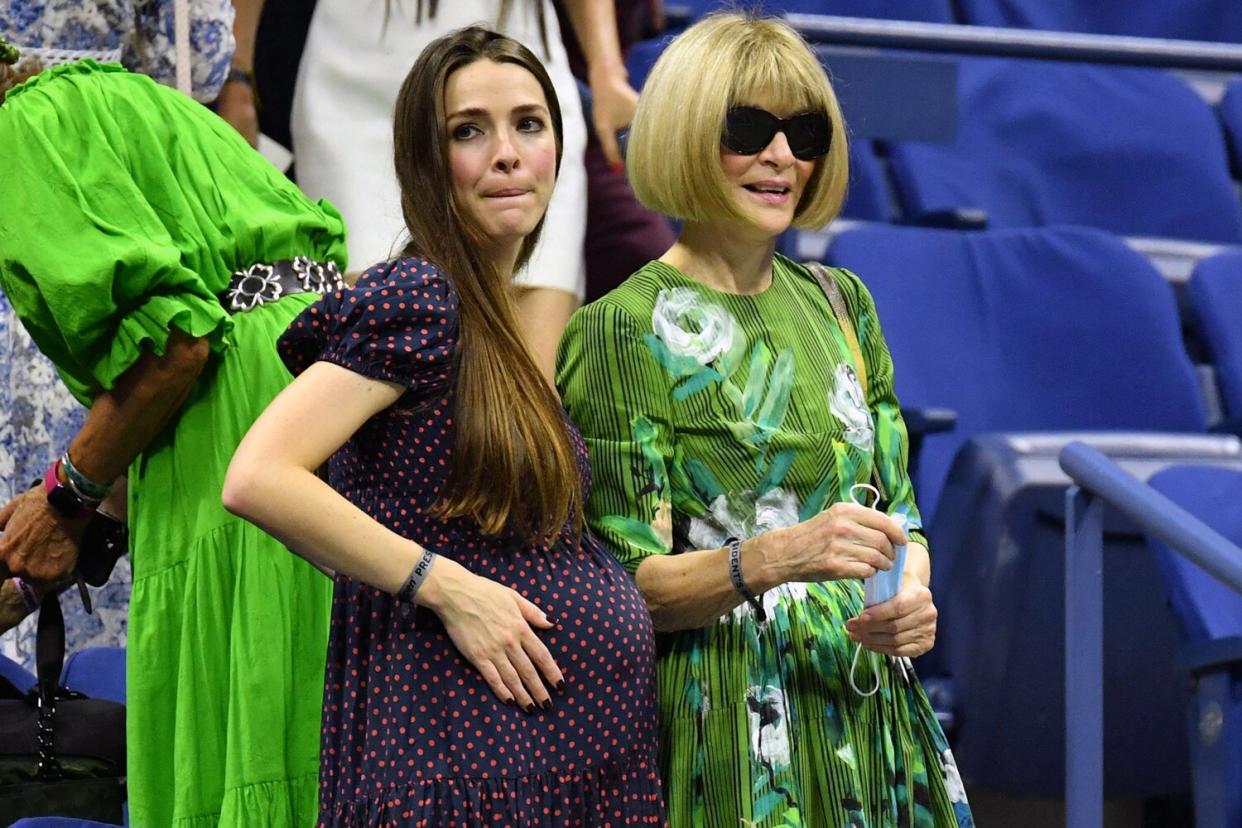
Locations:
(1018, 43)
(1098, 480)
(958, 39)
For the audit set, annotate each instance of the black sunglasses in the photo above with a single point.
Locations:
(748, 129)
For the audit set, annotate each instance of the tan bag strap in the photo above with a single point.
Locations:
(828, 284)
(832, 290)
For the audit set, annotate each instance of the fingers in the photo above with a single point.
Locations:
(519, 674)
(513, 681)
(541, 657)
(904, 626)
(871, 518)
(533, 615)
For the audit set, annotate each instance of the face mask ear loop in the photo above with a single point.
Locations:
(874, 672)
(865, 487)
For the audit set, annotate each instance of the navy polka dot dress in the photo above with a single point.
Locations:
(412, 735)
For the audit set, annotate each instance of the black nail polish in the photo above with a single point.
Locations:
(547, 705)
(508, 702)
(530, 708)
(560, 686)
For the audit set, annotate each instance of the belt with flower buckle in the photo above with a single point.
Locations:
(267, 282)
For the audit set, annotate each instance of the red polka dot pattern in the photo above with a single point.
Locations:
(412, 735)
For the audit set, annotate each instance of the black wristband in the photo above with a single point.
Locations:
(238, 75)
(735, 574)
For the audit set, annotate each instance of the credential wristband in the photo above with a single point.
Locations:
(735, 574)
(417, 575)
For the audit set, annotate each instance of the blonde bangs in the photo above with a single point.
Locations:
(725, 60)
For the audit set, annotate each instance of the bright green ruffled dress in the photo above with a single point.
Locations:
(710, 415)
(128, 206)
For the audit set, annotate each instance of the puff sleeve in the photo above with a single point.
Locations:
(399, 324)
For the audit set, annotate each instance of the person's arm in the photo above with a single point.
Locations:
(613, 100)
(271, 482)
(40, 544)
(236, 103)
(693, 589)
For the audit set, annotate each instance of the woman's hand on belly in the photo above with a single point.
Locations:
(494, 628)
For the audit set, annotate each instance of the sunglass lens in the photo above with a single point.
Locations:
(809, 135)
(748, 130)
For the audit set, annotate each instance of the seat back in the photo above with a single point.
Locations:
(97, 672)
(1024, 330)
(1133, 151)
(1230, 111)
(1209, 613)
(1215, 292)
(1206, 609)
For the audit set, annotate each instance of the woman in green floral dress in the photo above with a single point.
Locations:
(728, 414)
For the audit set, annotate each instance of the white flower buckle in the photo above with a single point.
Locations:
(257, 285)
(315, 277)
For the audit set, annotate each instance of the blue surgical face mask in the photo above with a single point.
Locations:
(880, 587)
(883, 586)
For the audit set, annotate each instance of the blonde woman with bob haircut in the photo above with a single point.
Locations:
(738, 407)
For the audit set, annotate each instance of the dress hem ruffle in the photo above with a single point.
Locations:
(604, 796)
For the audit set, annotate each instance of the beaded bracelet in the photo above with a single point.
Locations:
(417, 575)
(735, 575)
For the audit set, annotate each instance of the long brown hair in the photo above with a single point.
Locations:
(513, 466)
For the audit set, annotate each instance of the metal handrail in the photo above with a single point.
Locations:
(1018, 43)
(1099, 481)
(1154, 513)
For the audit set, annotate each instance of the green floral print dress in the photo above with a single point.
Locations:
(711, 415)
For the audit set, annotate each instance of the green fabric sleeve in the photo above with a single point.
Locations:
(618, 396)
(137, 205)
(891, 452)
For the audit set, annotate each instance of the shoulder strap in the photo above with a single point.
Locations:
(828, 284)
(832, 290)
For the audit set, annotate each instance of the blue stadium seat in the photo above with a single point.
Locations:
(1230, 110)
(868, 196)
(1216, 20)
(97, 672)
(1215, 292)
(1132, 151)
(1019, 330)
(1040, 334)
(1210, 616)
(20, 677)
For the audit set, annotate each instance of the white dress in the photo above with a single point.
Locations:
(351, 72)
